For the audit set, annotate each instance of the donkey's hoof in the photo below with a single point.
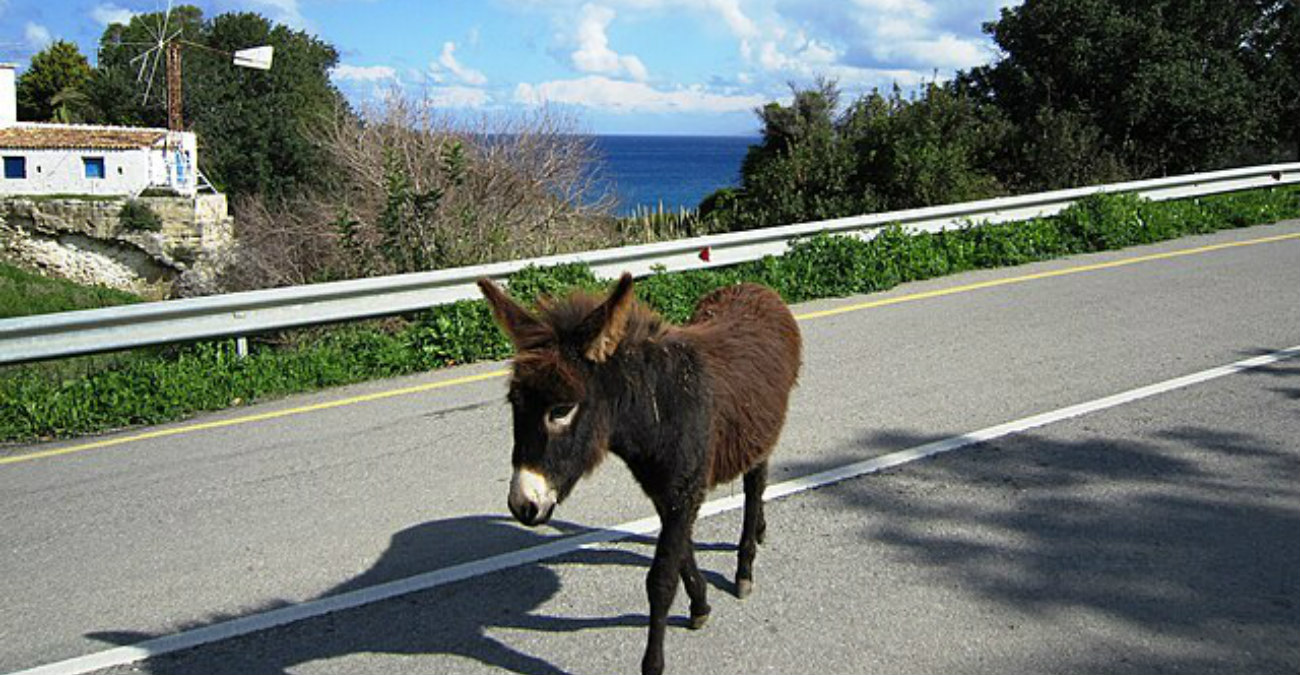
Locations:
(698, 621)
(744, 587)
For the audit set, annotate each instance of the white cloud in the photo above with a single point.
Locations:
(349, 73)
(804, 57)
(916, 8)
(622, 96)
(37, 36)
(456, 97)
(736, 20)
(448, 60)
(741, 24)
(281, 11)
(594, 55)
(864, 44)
(944, 52)
(108, 13)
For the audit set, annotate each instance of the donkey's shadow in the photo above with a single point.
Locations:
(452, 620)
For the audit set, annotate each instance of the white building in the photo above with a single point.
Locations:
(77, 159)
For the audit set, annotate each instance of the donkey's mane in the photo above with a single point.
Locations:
(563, 326)
(567, 317)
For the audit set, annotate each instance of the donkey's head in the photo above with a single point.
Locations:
(563, 413)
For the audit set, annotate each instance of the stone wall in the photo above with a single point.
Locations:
(84, 240)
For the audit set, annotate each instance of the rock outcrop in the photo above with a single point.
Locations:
(84, 239)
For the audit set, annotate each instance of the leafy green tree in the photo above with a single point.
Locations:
(58, 70)
(69, 106)
(254, 126)
(801, 169)
(1166, 85)
(937, 148)
(1276, 62)
(882, 152)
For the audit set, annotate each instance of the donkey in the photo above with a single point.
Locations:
(686, 407)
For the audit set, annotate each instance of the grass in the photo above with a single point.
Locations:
(24, 293)
(95, 394)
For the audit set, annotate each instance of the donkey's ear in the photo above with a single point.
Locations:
(611, 317)
(524, 330)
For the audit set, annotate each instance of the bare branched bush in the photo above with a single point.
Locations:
(283, 243)
(415, 189)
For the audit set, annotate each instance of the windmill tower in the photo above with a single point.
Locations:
(166, 46)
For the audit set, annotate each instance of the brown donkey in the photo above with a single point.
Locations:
(686, 407)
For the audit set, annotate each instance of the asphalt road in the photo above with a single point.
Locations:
(1157, 536)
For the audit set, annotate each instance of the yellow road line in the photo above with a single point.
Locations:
(925, 295)
(259, 417)
(808, 316)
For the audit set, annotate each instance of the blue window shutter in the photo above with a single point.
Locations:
(15, 168)
(94, 166)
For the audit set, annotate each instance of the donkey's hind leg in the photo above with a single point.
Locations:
(696, 589)
(754, 529)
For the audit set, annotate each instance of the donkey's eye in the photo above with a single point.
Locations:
(560, 412)
(559, 416)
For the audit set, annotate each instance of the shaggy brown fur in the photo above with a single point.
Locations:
(686, 407)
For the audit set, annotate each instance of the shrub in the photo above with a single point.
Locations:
(418, 190)
(136, 216)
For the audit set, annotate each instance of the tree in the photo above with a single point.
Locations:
(1276, 63)
(253, 126)
(800, 170)
(882, 152)
(937, 148)
(1165, 85)
(58, 70)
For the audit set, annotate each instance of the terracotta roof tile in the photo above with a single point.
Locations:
(44, 137)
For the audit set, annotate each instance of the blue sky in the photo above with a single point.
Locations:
(625, 66)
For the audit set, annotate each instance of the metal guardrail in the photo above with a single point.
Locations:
(237, 314)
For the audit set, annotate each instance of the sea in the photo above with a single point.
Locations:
(675, 171)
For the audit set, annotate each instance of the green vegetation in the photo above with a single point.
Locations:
(645, 225)
(151, 386)
(1084, 92)
(254, 125)
(51, 87)
(24, 293)
(138, 217)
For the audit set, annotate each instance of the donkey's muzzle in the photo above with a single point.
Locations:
(532, 499)
(531, 514)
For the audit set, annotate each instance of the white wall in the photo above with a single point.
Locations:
(8, 95)
(126, 172)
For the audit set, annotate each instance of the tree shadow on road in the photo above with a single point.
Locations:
(1192, 533)
(1280, 370)
(453, 619)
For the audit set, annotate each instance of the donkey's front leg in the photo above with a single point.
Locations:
(661, 583)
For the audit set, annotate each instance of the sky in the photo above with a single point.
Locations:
(690, 67)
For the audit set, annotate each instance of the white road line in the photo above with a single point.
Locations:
(422, 582)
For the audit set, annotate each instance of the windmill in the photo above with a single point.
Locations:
(166, 44)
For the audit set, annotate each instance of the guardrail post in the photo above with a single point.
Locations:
(241, 347)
